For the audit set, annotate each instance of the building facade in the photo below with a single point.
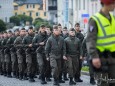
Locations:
(6, 10)
(33, 8)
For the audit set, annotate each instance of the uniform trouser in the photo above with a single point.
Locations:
(73, 65)
(44, 65)
(78, 74)
(22, 68)
(8, 63)
(111, 71)
(30, 63)
(14, 62)
(91, 71)
(56, 67)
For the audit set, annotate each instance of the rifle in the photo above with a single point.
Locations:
(40, 48)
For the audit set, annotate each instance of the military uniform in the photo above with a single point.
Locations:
(106, 57)
(54, 49)
(30, 56)
(3, 43)
(72, 50)
(78, 74)
(20, 56)
(41, 58)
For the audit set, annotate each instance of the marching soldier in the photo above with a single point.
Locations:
(72, 49)
(29, 51)
(20, 54)
(3, 44)
(44, 66)
(101, 43)
(81, 37)
(54, 49)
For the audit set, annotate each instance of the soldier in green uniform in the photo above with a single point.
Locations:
(20, 54)
(54, 49)
(29, 51)
(72, 49)
(101, 43)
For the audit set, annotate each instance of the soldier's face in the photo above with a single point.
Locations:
(65, 31)
(42, 29)
(111, 7)
(72, 33)
(60, 28)
(48, 30)
(9, 34)
(16, 33)
(30, 31)
(56, 31)
(22, 32)
(77, 28)
(5, 35)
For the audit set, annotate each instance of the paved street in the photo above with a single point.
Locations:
(4, 81)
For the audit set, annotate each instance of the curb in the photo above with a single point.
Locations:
(85, 73)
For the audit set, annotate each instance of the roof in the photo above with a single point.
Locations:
(29, 1)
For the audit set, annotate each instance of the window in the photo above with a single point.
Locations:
(44, 13)
(27, 5)
(37, 14)
(33, 5)
(30, 13)
(15, 7)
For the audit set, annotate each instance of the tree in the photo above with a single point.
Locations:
(20, 19)
(40, 21)
(15, 20)
(2, 26)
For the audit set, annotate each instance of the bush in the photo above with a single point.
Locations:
(2, 26)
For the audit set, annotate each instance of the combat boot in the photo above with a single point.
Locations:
(65, 77)
(43, 80)
(14, 75)
(20, 76)
(25, 76)
(71, 82)
(56, 82)
(31, 78)
(92, 81)
(9, 75)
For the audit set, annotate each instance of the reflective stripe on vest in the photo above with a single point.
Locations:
(105, 38)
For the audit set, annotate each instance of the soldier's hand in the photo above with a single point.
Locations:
(47, 59)
(64, 57)
(96, 62)
(81, 58)
(41, 43)
(30, 45)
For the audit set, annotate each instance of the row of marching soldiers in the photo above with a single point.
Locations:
(57, 53)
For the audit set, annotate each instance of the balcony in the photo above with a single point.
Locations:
(52, 8)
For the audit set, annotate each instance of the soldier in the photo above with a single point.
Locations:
(1, 54)
(72, 49)
(85, 55)
(7, 55)
(48, 30)
(3, 44)
(14, 61)
(43, 64)
(27, 42)
(81, 37)
(20, 54)
(65, 35)
(54, 49)
(101, 43)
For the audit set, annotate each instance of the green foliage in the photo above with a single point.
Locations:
(2, 26)
(85, 68)
(20, 19)
(40, 21)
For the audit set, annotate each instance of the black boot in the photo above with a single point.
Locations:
(65, 77)
(78, 80)
(17, 75)
(61, 81)
(71, 82)
(31, 78)
(5, 73)
(92, 81)
(14, 75)
(20, 76)
(56, 82)
(43, 80)
(9, 75)
(25, 76)
(48, 79)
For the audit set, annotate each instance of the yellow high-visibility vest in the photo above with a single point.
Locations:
(106, 33)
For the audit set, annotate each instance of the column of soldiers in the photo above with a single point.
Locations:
(24, 54)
